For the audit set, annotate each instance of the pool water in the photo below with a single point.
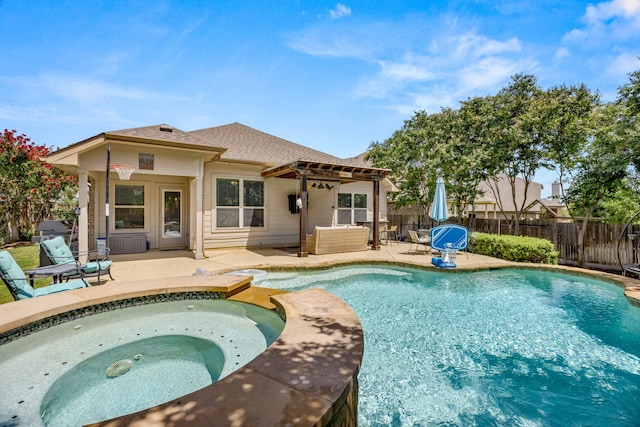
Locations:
(494, 348)
(71, 374)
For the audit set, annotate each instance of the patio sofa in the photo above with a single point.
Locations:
(332, 240)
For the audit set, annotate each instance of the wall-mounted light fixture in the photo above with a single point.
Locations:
(321, 185)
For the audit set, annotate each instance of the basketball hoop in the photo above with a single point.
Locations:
(124, 171)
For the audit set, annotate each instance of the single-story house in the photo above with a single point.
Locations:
(497, 195)
(220, 187)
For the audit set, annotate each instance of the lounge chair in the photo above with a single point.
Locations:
(57, 252)
(417, 240)
(389, 233)
(20, 287)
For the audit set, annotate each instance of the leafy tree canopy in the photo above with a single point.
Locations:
(30, 189)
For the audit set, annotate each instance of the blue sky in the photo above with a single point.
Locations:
(333, 76)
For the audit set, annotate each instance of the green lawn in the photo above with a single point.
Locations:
(26, 255)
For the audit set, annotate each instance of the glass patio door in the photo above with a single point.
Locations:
(172, 233)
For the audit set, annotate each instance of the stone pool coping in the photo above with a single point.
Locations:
(156, 264)
(304, 378)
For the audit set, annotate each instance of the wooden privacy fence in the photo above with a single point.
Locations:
(600, 240)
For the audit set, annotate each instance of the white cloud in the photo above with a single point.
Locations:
(562, 53)
(624, 63)
(629, 9)
(455, 66)
(82, 103)
(419, 62)
(404, 71)
(339, 40)
(491, 72)
(431, 101)
(80, 89)
(335, 46)
(605, 46)
(616, 19)
(340, 11)
(575, 35)
(471, 44)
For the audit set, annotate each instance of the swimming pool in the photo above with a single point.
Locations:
(501, 347)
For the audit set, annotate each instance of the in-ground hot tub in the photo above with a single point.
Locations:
(128, 359)
(308, 376)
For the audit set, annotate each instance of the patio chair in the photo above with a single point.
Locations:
(417, 241)
(57, 252)
(389, 234)
(20, 287)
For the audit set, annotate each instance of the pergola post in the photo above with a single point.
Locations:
(302, 253)
(376, 215)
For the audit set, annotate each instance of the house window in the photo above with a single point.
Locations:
(352, 208)
(129, 207)
(239, 203)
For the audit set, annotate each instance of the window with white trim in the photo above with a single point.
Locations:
(239, 203)
(352, 208)
(129, 207)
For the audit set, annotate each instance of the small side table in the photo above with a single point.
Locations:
(56, 271)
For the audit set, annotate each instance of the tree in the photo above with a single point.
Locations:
(629, 94)
(473, 161)
(407, 155)
(517, 128)
(29, 188)
(621, 205)
(629, 97)
(428, 146)
(567, 110)
(602, 170)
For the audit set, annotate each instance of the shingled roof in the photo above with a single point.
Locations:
(246, 144)
(234, 141)
(358, 160)
(162, 132)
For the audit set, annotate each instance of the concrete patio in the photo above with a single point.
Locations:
(163, 264)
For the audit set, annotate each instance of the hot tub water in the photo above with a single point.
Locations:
(155, 353)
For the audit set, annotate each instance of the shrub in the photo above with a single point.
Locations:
(514, 248)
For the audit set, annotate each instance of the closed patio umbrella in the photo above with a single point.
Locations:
(439, 210)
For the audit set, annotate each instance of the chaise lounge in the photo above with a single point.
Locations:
(20, 287)
(416, 240)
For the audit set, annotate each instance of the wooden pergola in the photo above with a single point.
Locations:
(304, 170)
